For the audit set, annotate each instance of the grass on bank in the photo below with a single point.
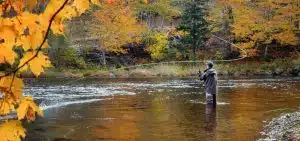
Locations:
(279, 67)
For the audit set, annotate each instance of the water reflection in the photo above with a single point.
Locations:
(210, 118)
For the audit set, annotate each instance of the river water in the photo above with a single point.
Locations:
(158, 109)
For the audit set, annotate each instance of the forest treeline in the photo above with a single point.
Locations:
(123, 33)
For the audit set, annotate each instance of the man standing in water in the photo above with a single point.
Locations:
(210, 83)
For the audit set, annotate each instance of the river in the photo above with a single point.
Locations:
(158, 109)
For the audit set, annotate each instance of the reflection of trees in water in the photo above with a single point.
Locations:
(247, 111)
(159, 116)
(186, 120)
(121, 117)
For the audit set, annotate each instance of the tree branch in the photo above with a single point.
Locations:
(43, 42)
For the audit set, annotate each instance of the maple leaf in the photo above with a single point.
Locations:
(8, 34)
(12, 84)
(7, 55)
(57, 27)
(81, 5)
(67, 13)
(12, 131)
(5, 107)
(36, 39)
(26, 21)
(31, 42)
(28, 108)
(24, 42)
(31, 4)
(51, 6)
(37, 64)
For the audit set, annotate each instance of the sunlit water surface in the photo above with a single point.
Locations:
(158, 109)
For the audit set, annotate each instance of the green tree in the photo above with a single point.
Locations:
(157, 45)
(194, 22)
(63, 56)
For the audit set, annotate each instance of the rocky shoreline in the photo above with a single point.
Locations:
(283, 128)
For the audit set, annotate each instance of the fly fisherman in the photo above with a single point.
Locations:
(210, 83)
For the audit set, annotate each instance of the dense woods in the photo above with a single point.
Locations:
(160, 30)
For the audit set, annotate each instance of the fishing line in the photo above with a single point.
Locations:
(244, 55)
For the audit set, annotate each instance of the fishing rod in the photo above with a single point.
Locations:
(161, 63)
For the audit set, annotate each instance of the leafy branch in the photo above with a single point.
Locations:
(41, 45)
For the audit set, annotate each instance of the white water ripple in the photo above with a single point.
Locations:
(45, 107)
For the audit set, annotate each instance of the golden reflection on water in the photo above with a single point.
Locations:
(167, 116)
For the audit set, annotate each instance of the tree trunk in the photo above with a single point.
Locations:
(162, 22)
(266, 52)
(103, 58)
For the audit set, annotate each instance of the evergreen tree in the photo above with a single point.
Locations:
(194, 22)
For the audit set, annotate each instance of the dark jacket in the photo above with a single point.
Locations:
(210, 81)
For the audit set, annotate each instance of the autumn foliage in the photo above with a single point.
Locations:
(115, 25)
(259, 23)
(24, 28)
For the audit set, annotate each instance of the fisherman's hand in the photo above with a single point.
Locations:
(199, 73)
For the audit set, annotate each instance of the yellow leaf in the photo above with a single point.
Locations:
(5, 107)
(67, 13)
(13, 84)
(31, 4)
(57, 27)
(27, 20)
(81, 5)
(12, 131)
(37, 64)
(32, 41)
(7, 54)
(9, 35)
(52, 6)
(36, 39)
(43, 21)
(24, 41)
(28, 108)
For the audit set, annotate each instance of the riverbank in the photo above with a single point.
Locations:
(283, 67)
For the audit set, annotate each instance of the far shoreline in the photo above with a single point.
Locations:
(277, 68)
